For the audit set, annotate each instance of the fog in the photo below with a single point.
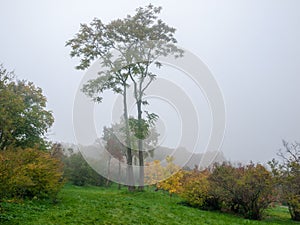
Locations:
(251, 47)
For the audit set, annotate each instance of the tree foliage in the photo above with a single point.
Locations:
(287, 172)
(78, 172)
(114, 147)
(24, 119)
(114, 138)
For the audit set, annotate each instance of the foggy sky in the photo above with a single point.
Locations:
(252, 48)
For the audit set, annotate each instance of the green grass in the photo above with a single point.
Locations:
(94, 205)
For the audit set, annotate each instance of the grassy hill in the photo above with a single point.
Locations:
(94, 205)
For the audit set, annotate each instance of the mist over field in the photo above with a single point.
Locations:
(251, 48)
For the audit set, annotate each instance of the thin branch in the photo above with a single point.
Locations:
(134, 82)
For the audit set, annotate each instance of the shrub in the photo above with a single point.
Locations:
(247, 190)
(79, 172)
(195, 188)
(29, 173)
(154, 172)
(166, 178)
(173, 183)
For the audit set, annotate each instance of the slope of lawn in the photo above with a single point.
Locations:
(94, 205)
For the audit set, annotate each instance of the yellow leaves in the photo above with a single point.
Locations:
(167, 178)
(173, 183)
(154, 172)
(29, 172)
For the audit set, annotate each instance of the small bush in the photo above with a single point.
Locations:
(29, 173)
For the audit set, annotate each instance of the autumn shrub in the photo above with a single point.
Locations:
(193, 186)
(196, 190)
(173, 184)
(154, 172)
(246, 190)
(28, 173)
(167, 177)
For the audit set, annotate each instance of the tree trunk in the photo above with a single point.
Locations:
(140, 146)
(119, 185)
(108, 170)
(130, 177)
(294, 212)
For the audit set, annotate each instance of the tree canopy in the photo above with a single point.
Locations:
(24, 119)
(287, 172)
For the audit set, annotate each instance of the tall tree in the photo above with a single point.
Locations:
(127, 48)
(96, 41)
(24, 119)
(152, 38)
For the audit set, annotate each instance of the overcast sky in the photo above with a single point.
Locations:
(251, 47)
